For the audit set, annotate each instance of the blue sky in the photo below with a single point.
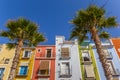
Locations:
(52, 16)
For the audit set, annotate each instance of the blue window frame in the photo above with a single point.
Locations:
(23, 70)
(1, 72)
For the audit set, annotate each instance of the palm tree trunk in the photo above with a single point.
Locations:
(101, 54)
(15, 60)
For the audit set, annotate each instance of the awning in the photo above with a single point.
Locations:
(89, 71)
(44, 65)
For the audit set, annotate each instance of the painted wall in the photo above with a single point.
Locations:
(74, 59)
(86, 47)
(26, 61)
(116, 44)
(114, 59)
(4, 54)
(40, 56)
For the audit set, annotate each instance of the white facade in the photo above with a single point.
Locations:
(67, 60)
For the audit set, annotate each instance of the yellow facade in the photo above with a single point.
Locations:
(25, 60)
(6, 58)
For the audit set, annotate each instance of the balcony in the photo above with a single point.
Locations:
(43, 73)
(115, 72)
(65, 70)
(43, 56)
(65, 74)
(109, 55)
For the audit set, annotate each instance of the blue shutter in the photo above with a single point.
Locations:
(23, 70)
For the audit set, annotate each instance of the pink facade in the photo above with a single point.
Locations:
(44, 65)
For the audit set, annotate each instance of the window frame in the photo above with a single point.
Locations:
(28, 55)
(48, 53)
(20, 70)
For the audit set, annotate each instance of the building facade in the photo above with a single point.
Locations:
(111, 59)
(116, 44)
(87, 62)
(6, 58)
(67, 60)
(44, 65)
(26, 62)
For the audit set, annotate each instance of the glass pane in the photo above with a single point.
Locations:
(1, 71)
(23, 70)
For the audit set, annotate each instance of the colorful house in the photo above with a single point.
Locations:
(44, 65)
(116, 44)
(87, 62)
(111, 59)
(25, 66)
(67, 60)
(6, 58)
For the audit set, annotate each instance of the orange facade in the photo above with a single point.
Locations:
(116, 43)
(44, 65)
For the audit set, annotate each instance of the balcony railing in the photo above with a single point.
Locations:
(109, 55)
(41, 75)
(44, 56)
(116, 72)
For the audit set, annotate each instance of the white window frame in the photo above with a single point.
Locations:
(51, 52)
(29, 54)
(65, 63)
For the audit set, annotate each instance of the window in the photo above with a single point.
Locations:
(49, 51)
(26, 54)
(65, 52)
(65, 68)
(44, 68)
(6, 61)
(23, 70)
(1, 72)
(85, 55)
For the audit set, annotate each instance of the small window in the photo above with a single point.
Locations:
(49, 53)
(26, 54)
(1, 72)
(39, 50)
(6, 61)
(23, 70)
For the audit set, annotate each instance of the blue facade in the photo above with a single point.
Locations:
(112, 60)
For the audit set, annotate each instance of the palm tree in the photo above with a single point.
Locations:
(21, 32)
(94, 22)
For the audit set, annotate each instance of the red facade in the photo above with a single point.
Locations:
(44, 65)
